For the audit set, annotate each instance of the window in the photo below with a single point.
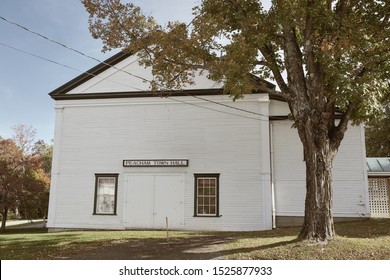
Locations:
(206, 195)
(106, 186)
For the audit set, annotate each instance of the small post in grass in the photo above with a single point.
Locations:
(166, 222)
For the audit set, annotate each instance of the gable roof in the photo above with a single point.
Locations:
(67, 91)
(101, 67)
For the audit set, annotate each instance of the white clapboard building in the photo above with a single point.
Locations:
(127, 158)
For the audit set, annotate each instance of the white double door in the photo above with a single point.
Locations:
(152, 200)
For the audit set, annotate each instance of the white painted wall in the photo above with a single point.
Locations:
(128, 76)
(95, 136)
(349, 173)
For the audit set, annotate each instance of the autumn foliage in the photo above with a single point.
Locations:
(24, 181)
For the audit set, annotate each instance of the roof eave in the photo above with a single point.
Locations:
(62, 90)
(378, 174)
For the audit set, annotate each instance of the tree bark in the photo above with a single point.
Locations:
(318, 221)
(319, 155)
(4, 219)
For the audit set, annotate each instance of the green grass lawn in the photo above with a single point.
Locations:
(368, 239)
(39, 244)
(355, 241)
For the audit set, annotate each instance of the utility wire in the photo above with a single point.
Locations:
(48, 39)
(121, 70)
(71, 49)
(41, 57)
(106, 79)
(63, 65)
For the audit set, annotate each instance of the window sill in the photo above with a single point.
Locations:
(205, 216)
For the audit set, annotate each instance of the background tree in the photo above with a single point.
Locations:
(378, 135)
(11, 164)
(24, 182)
(45, 152)
(335, 56)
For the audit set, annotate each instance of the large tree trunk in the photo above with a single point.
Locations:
(319, 154)
(4, 219)
(318, 221)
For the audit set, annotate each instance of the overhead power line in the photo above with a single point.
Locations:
(114, 67)
(106, 79)
(40, 57)
(70, 48)
(61, 64)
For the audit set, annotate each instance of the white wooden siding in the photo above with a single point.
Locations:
(349, 177)
(115, 80)
(97, 135)
(278, 108)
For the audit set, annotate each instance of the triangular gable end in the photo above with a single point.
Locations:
(121, 76)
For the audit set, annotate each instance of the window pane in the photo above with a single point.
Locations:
(106, 186)
(105, 195)
(105, 204)
(206, 200)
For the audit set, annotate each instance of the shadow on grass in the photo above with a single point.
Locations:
(138, 245)
(15, 230)
(189, 248)
(38, 244)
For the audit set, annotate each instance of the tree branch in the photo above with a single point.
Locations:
(239, 7)
(269, 55)
(294, 63)
(342, 7)
(315, 77)
(338, 132)
(308, 44)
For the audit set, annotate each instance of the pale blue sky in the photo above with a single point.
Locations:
(25, 81)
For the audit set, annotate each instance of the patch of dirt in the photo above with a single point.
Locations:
(197, 247)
